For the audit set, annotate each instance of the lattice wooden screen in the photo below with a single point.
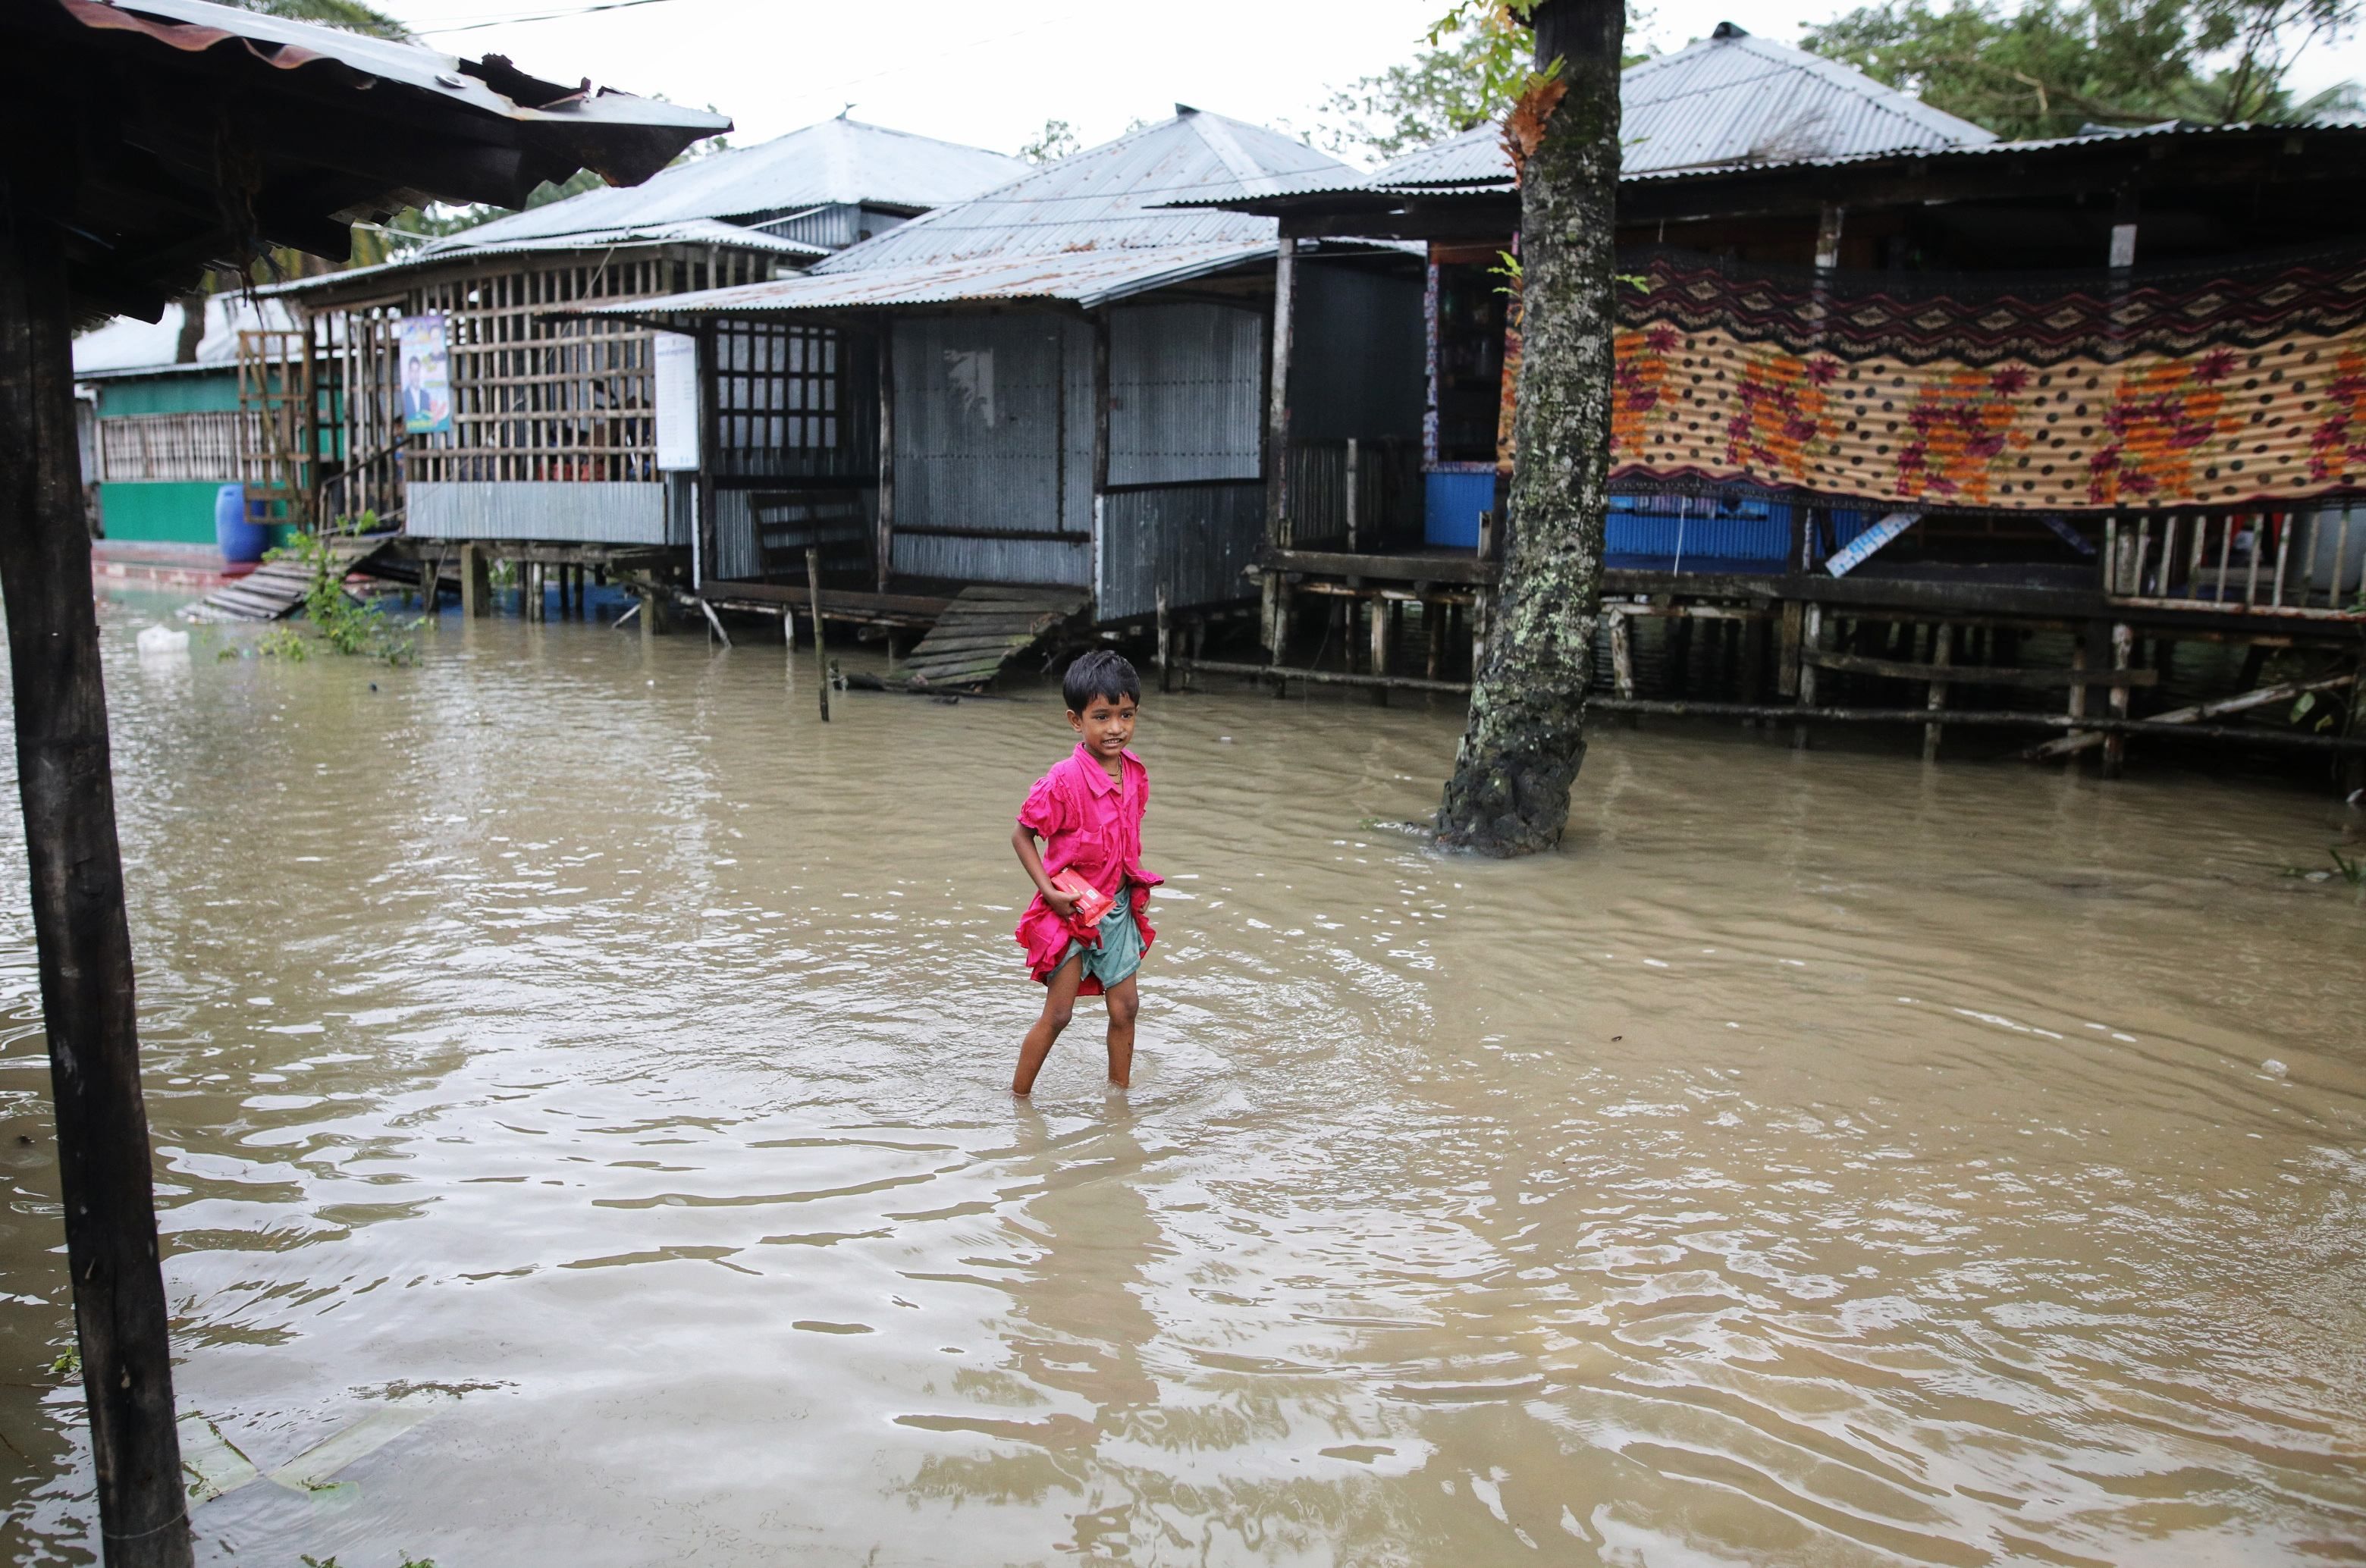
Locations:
(531, 398)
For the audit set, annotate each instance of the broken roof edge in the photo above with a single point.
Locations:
(637, 135)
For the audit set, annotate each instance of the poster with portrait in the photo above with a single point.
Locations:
(426, 391)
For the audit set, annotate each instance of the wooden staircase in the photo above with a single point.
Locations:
(983, 629)
(275, 589)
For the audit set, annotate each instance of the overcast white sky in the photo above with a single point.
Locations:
(991, 75)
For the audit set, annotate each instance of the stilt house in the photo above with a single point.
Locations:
(552, 435)
(1954, 391)
(1063, 383)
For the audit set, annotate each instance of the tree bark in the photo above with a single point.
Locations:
(1526, 734)
(78, 915)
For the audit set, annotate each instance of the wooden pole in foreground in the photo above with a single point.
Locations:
(67, 784)
(813, 594)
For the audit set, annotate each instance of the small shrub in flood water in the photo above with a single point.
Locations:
(344, 621)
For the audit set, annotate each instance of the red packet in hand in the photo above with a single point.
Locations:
(1091, 903)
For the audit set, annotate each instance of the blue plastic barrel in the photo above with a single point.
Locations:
(240, 539)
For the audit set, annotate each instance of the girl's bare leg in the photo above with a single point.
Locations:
(1059, 1006)
(1124, 1001)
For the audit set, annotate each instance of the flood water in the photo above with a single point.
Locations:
(582, 1073)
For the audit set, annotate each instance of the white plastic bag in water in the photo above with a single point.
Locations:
(159, 640)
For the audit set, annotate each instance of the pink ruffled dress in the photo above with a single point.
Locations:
(1091, 823)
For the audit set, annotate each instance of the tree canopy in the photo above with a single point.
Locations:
(2048, 67)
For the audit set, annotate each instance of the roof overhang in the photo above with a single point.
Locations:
(202, 133)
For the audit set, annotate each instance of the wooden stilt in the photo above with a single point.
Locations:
(476, 581)
(1166, 645)
(813, 603)
(1812, 640)
(2078, 702)
(1943, 648)
(1382, 611)
(2116, 746)
(65, 781)
(1787, 652)
(1433, 626)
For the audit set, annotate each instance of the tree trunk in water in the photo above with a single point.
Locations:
(79, 928)
(1525, 737)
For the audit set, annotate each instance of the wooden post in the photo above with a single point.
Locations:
(1943, 652)
(886, 541)
(1382, 615)
(813, 594)
(1355, 521)
(2078, 702)
(1276, 434)
(1622, 654)
(1433, 624)
(1812, 640)
(1166, 645)
(1787, 654)
(66, 780)
(2115, 745)
(476, 581)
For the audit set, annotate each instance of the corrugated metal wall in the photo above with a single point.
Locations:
(1197, 540)
(607, 511)
(994, 435)
(1186, 384)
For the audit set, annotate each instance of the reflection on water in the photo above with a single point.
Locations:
(1821, 1159)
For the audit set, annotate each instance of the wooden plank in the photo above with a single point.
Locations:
(1456, 569)
(1897, 670)
(2266, 696)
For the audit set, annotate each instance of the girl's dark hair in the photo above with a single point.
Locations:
(1100, 674)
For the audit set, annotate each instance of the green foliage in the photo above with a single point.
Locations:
(1053, 142)
(2052, 66)
(410, 1562)
(67, 1366)
(1457, 82)
(2353, 872)
(309, 1560)
(347, 624)
(350, 15)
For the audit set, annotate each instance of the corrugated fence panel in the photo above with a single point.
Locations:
(735, 536)
(1197, 540)
(994, 434)
(995, 561)
(1185, 393)
(978, 422)
(1357, 354)
(604, 511)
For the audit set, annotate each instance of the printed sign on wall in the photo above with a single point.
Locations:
(676, 365)
(426, 375)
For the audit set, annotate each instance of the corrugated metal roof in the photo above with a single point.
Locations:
(127, 345)
(702, 232)
(1107, 198)
(1730, 98)
(2049, 144)
(1087, 229)
(1085, 277)
(837, 161)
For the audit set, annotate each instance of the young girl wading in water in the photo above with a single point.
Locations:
(1085, 934)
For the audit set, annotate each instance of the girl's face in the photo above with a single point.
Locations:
(1106, 726)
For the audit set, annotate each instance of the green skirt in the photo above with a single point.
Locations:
(1119, 954)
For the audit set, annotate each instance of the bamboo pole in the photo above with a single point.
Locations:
(1943, 639)
(66, 780)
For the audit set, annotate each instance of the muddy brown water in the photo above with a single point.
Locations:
(1821, 1159)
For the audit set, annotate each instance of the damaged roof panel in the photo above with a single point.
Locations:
(1083, 277)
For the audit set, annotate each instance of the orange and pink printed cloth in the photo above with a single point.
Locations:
(2216, 386)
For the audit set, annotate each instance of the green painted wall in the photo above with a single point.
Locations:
(197, 391)
(178, 511)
